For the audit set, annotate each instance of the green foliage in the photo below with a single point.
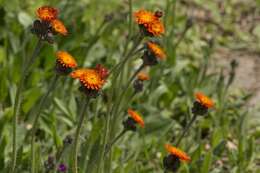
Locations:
(222, 141)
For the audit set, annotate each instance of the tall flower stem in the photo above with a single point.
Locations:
(186, 129)
(118, 67)
(129, 84)
(17, 104)
(76, 141)
(36, 118)
(109, 146)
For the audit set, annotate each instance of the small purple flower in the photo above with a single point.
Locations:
(62, 167)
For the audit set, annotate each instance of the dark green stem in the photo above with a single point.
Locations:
(109, 146)
(186, 129)
(129, 84)
(182, 36)
(36, 118)
(76, 138)
(18, 100)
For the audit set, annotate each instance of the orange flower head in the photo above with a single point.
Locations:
(136, 117)
(59, 27)
(91, 79)
(155, 28)
(177, 152)
(65, 59)
(144, 17)
(76, 74)
(204, 100)
(47, 13)
(156, 50)
(143, 76)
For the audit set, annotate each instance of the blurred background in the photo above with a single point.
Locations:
(211, 46)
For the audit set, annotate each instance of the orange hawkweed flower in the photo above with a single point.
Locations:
(142, 76)
(47, 13)
(177, 152)
(65, 59)
(91, 79)
(155, 28)
(204, 100)
(136, 117)
(144, 17)
(59, 27)
(156, 50)
(76, 74)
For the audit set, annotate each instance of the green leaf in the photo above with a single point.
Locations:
(206, 163)
(25, 19)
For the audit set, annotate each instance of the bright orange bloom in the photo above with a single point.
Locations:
(144, 17)
(177, 152)
(136, 117)
(91, 79)
(156, 50)
(59, 27)
(143, 76)
(47, 13)
(66, 59)
(204, 100)
(76, 74)
(155, 28)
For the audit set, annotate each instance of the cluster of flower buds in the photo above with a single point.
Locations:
(48, 24)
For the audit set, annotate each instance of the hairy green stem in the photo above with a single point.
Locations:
(186, 129)
(76, 138)
(128, 85)
(109, 146)
(18, 100)
(36, 118)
